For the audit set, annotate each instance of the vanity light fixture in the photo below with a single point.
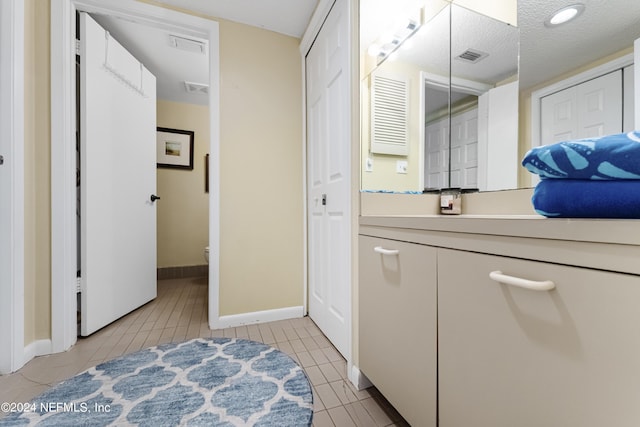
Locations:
(385, 46)
(564, 15)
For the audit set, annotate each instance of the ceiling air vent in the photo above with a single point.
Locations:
(472, 56)
(189, 45)
(192, 87)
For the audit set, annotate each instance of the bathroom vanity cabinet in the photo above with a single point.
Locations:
(398, 337)
(562, 352)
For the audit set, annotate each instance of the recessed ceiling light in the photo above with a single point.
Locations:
(564, 15)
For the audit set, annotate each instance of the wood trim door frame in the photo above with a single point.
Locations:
(63, 112)
(12, 185)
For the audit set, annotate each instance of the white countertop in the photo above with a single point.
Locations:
(615, 231)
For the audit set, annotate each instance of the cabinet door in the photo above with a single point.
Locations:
(397, 330)
(514, 357)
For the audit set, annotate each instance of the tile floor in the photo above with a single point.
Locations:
(180, 313)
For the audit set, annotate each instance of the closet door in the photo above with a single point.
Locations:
(464, 149)
(629, 108)
(329, 178)
(590, 109)
(436, 154)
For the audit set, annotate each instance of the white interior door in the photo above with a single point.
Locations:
(498, 122)
(118, 176)
(329, 185)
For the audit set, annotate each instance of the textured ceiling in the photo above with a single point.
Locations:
(289, 17)
(172, 67)
(605, 27)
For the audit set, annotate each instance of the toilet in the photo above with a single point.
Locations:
(206, 254)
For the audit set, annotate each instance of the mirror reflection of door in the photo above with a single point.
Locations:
(436, 136)
(590, 109)
(464, 140)
(456, 152)
(484, 70)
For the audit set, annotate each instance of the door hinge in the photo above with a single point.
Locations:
(1, 160)
(77, 46)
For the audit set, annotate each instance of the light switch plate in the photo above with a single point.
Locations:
(368, 165)
(401, 166)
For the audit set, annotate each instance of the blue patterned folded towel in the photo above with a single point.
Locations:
(569, 198)
(605, 158)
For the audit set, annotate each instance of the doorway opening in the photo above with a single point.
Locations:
(64, 188)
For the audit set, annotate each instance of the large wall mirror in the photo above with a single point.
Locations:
(447, 86)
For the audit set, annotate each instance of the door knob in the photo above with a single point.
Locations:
(154, 198)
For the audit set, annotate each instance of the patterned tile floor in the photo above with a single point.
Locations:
(180, 313)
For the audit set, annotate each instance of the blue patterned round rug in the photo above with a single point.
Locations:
(203, 382)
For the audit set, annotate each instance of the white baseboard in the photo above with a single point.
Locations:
(358, 379)
(234, 320)
(37, 348)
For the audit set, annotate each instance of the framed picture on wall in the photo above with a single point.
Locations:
(174, 148)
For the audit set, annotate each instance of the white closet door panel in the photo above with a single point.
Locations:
(636, 77)
(118, 164)
(590, 109)
(464, 149)
(629, 109)
(329, 185)
(436, 155)
(559, 118)
(600, 106)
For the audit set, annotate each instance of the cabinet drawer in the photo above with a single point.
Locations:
(397, 314)
(508, 356)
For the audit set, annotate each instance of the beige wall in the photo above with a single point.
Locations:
(37, 287)
(261, 166)
(183, 210)
(261, 259)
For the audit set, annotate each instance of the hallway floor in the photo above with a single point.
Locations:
(180, 313)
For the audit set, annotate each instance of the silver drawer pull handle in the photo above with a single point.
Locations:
(383, 251)
(545, 285)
